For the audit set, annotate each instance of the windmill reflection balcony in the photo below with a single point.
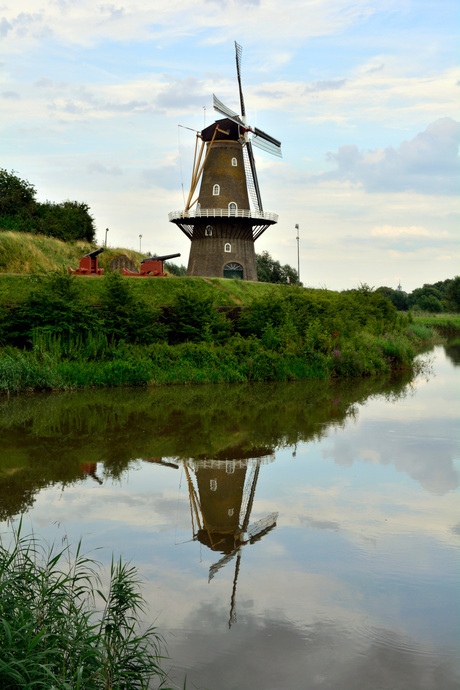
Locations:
(195, 219)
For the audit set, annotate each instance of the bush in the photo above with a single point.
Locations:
(194, 318)
(126, 318)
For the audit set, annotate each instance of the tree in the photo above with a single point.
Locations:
(175, 269)
(69, 220)
(453, 294)
(19, 211)
(16, 195)
(271, 271)
(397, 297)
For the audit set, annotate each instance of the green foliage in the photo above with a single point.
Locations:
(432, 298)
(194, 318)
(16, 196)
(55, 319)
(126, 318)
(19, 210)
(270, 271)
(453, 295)
(286, 333)
(52, 306)
(397, 297)
(68, 220)
(174, 269)
(53, 636)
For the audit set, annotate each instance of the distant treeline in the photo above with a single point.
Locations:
(443, 296)
(20, 211)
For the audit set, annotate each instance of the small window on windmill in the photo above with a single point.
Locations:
(208, 231)
(216, 190)
(230, 512)
(230, 466)
(213, 484)
(232, 208)
(234, 162)
(227, 247)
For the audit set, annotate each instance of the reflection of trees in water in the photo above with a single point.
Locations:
(452, 350)
(49, 438)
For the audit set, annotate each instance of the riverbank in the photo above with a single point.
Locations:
(55, 338)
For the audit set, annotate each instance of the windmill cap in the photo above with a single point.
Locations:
(226, 125)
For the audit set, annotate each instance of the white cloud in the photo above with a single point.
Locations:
(393, 231)
(428, 163)
(86, 23)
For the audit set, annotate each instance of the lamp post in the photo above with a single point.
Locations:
(106, 231)
(140, 244)
(298, 255)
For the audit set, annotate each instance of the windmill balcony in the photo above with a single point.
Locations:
(223, 213)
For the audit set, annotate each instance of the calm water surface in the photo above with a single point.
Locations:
(290, 536)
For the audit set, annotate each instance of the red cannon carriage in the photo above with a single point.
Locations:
(88, 265)
(151, 268)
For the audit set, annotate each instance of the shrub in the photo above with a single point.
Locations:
(194, 318)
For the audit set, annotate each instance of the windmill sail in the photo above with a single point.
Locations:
(238, 52)
(223, 110)
(251, 177)
(266, 142)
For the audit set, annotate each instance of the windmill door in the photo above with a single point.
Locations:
(233, 270)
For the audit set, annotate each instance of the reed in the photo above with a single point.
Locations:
(52, 633)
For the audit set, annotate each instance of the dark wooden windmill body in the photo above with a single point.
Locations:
(221, 221)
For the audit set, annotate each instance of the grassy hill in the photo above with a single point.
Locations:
(25, 253)
(24, 257)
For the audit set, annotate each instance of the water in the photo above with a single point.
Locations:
(289, 535)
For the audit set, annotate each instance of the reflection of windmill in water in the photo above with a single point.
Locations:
(222, 227)
(221, 492)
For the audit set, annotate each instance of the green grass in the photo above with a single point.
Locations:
(25, 253)
(48, 366)
(15, 289)
(53, 634)
(25, 257)
(445, 324)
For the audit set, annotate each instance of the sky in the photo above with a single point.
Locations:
(96, 99)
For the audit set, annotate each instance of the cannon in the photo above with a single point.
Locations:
(88, 265)
(151, 267)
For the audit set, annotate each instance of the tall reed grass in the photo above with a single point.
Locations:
(53, 635)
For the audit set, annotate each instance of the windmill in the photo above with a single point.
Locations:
(220, 221)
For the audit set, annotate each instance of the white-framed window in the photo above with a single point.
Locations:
(216, 190)
(208, 231)
(227, 247)
(230, 512)
(234, 162)
(232, 208)
(229, 466)
(213, 484)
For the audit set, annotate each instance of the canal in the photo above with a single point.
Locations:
(300, 535)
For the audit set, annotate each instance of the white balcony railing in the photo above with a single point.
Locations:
(222, 213)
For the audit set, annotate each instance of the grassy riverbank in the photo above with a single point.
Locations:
(55, 338)
(444, 324)
(53, 636)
